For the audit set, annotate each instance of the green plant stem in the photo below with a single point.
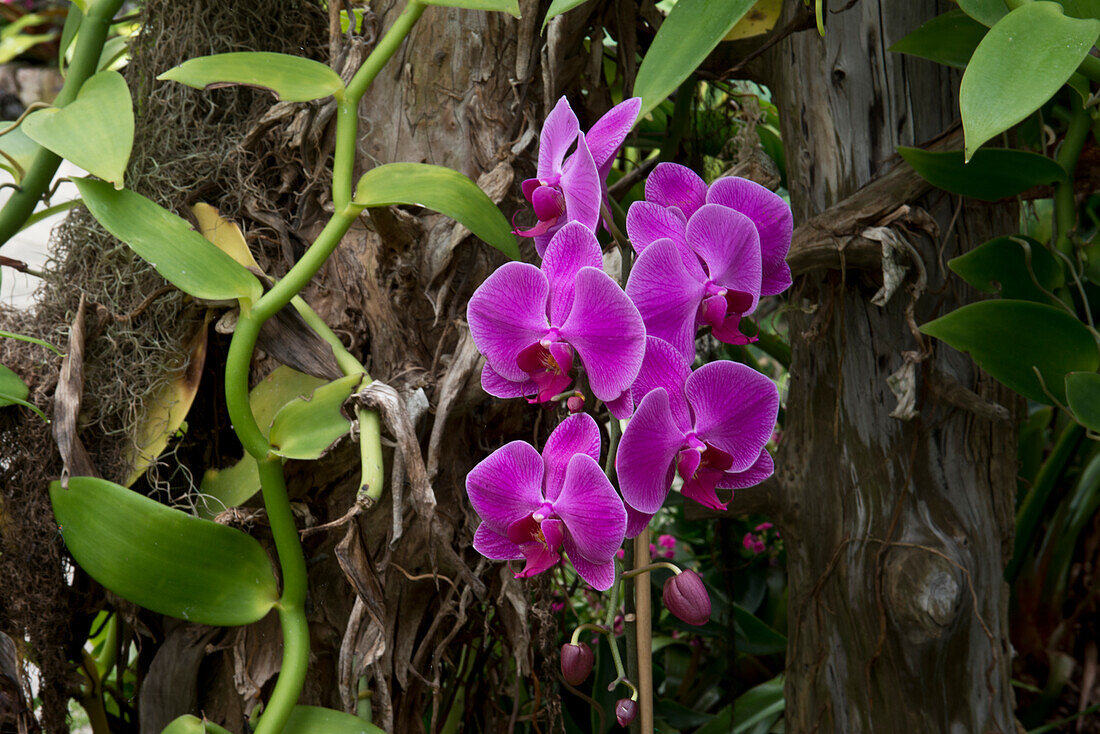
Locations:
(1065, 206)
(32, 340)
(642, 611)
(386, 48)
(638, 570)
(89, 45)
(582, 628)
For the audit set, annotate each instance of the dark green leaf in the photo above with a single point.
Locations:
(690, 32)
(161, 558)
(991, 174)
(557, 7)
(1008, 338)
(759, 703)
(986, 12)
(306, 428)
(183, 256)
(946, 39)
(678, 715)
(1016, 267)
(11, 386)
(1019, 65)
(754, 636)
(317, 720)
(504, 6)
(1083, 398)
(1081, 8)
(291, 78)
(441, 189)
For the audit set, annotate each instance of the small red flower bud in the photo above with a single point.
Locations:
(625, 711)
(576, 663)
(575, 403)
(686, 597)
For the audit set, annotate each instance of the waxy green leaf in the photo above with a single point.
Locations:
(189, 724)
(13, 391)
(183, 256)
(161, 558)
(95, 131)
(504, 6)
(305, 428)
(291, 78)
(557, 7)
(1009, 338)
(446, 191)
(1015, 267)
(690, 32)
(986, 12)
(19, 149)
(317, 720)
(991, 174)
(1083, 398)
(1019, 65)
(946, 39)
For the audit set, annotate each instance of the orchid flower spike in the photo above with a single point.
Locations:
(531, 322)
(711, 425)
(572, 189)
(532, 507)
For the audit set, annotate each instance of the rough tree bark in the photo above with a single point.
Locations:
(897, 529)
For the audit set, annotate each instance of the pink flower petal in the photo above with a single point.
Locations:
(621, 407)
(558, 133)
(727, 242)
(580, 182)
(636, 521)
(773, 221)
(506, 486)
(761, 469)
(495, 546)
(591, 510)
(665, 367)
(600, 576)
(572, 248)
(671, 184)
(667, 296)
(507, 314)
(647, 222)
(607, 135)
(500, 387)
(577, 434)
(644, 463)
(735, 408)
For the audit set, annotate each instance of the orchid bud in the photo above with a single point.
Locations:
(575, 403)
(625, 711)
(686, 597)
(576, 663)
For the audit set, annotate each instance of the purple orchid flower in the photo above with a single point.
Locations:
(674, 193)
(572, 189)
(534, 506)
(531, 322)
(708, 276)
(711, 426)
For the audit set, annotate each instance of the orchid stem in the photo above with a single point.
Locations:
(609, 623)
(581, 628)
(639, 570)
(644, 629)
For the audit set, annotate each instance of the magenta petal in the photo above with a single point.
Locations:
(600, 576)
(621, 407)
(671, 184)
(500, 387)
(591, 510)
(687, 463)
(577, 434)
(636, 521)
(729, 331)
(712, 311)
(773, 221)
(580, 182)
(647, 222)
(701, 488)
(554, 532)
(646, 452)
(607, 331)
(727, 242)
(548, 203)
(572, 248)
(506, 486)
(539, 558)
(667, 296)
(761, 469)
(528, 187)
(507, 313)
(735, 408)
(558, 133)
(609, 132)
(495, 546)
(664, 366)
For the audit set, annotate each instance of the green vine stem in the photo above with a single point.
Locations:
(1065, 206)
(644, 631)
(89, 46)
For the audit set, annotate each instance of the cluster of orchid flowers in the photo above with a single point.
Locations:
(705, 257)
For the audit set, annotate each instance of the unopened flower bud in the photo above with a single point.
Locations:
(575, 403)
(686, 597)
(625, 711)
(576, 663)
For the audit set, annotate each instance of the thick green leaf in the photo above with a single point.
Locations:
(13, 390)
(161, 558)
(504, 6)
(1023, 60)
(19, 148)
(1007, 265)
(189, 724)
(441, 189)
(758, 703)
(946, 39)
(317, 720)
(1083, 398)
(991, 174)
(557, 7)
(755, 637)
(183, 256)
(304, 428)
(291, 78)
(1081, 8)
(690, 32)
(95, 131)
(986, 12)
(1008, 338)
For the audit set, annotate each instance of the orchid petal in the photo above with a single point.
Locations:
(607, 331)
(591, 510)
(773, 220)
(761, 469)
(636, 521)
(500, 387)
(735, 408)
(572, 248)
(580, 182)
(607, 135)
(553, 530)
(667, 296)
(664, 366)
(701, 489)
(670, 184)
(495, 546)
(727, 242)
(558, 133)
(621, 407)
(644, 463)
(647, 222)
(507, 313)
(577, 434)
(506, 486)
(539, 558)
(600, 576)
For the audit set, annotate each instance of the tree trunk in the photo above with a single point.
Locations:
(897, 529)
